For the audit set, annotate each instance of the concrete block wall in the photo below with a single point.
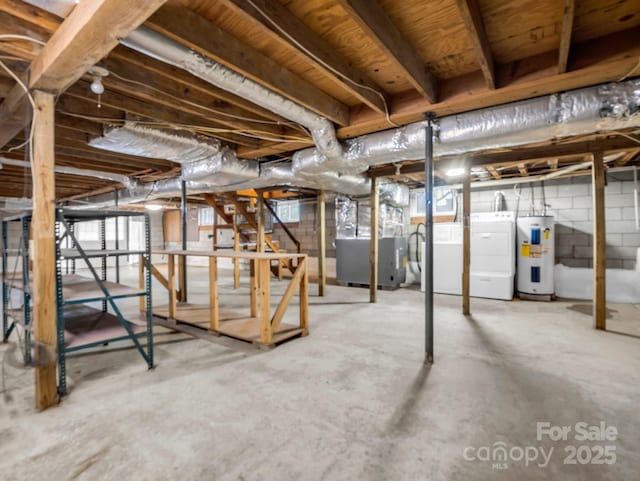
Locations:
(570, 202)
(306, 231)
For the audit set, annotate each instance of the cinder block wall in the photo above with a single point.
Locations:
(306, 230)
(570, 201)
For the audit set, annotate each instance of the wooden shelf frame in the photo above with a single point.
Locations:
(262, 327)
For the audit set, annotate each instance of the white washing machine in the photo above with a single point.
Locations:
(447, 258)
(493, 255)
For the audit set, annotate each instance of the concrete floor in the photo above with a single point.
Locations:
(351, 401)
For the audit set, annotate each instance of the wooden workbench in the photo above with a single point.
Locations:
(261, 327)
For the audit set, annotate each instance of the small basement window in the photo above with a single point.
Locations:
(288, 211)
(205, 216)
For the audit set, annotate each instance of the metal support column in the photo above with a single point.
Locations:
(428, 255)
(183, 259)
(117, 229)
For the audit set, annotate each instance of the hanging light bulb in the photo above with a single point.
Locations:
(98, 73)
(96, 86)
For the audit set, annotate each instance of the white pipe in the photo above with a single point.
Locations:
(128, 182)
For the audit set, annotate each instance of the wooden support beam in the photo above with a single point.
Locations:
(264, 275)
(187, 27)
(253, 288)
(373, 242)
(599, 244)
(628, 157)
(173, 298)
(472, 17)
(280, 24)
(236, 248)
(377, 25)
(304, 295)
(80, 42)
(214, 315)
(522, 168)
(494, 173)
(322, 245)
(260, 234)
(565, 35)
(466, 245)
(287, 296)
(43, 229)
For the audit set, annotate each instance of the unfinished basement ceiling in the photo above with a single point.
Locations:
(295, 48)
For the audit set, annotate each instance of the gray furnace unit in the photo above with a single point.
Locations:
(352, 261)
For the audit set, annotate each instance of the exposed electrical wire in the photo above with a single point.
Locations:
(216, 111)
(259, 134)
(327, 66)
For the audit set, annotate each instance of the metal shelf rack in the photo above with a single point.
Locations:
(80, 326)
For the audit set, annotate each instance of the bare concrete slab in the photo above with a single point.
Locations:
(352, 401)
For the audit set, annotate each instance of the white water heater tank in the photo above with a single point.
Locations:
(536, 255)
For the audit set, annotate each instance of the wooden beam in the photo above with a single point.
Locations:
(287, 296)
(373, 242)
(565, 35)
(377, 25)
(522, 168)
(264, 285)
(494, 173)
(280, 24)
(260, 234)
(43, 229)
(214, 315)
(472, 17)
(196, 32)
(466, 245)
(604, 59)
(599, 244)
(628, 157)
(80, 42)
(322, 245)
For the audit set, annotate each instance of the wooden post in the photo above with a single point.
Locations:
(253, 288)
(43, 228)
(260, 234)
(214, 316)
(172, 286)
(264, 274)
(466, 244)
(373, 243)
(599, 244)
(322, 245)
(304, 295)
(236, 248)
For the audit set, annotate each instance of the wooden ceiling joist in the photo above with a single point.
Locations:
(196, 32)
(375, 22)
(282, 25)
(472, 18)
(80, 42)
(565, 35)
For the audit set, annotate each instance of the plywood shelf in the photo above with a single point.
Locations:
(75, 254)
(85, 326)
(79, 289)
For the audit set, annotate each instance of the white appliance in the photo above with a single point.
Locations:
(493, 257)
(447, 258)
(536, 255)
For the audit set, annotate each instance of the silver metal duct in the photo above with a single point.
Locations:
(605, 107)
(157, 46)
(270, 176)
(128, 182)
(175, 146)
